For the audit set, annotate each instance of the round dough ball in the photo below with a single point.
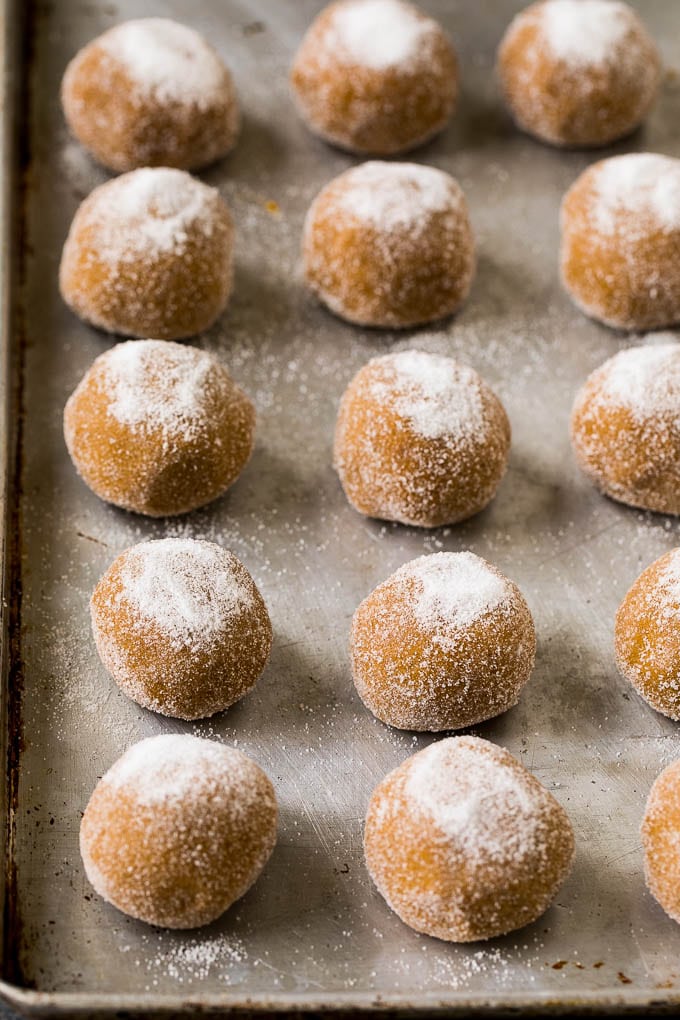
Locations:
(661, 837)
(181, 627)
(158, 428)
(390, 244)
(375, 76)
(578, 72)
(151, 92)
(620, 253)
(647, 640)
(177, 830)
(464, 843)
(625, 427)
(149, 254)
(420, 439)
(445, 642)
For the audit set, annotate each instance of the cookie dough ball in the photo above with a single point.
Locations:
(181, 627)
(625, 427)
(151, 92)
(661, 838)
(647, 639)
(149, 254)
(177, 830)
(464, 843)
(578, 72)
(158, 428)
(375, 76)
(390, 244)
(420, 439)
(620, 253)
(445, 642)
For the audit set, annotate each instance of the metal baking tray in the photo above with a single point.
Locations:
(313, 933)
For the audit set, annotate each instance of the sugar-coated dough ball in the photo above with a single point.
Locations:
(464, 843)
(578, 72)
(390, 244)
(625, 427)
(445, 642)
(620, 253)
(177, 830)
(420, 439)
(647, 638)
(375, 76)
(661, 839)
(151, 92)
(149, 254)
(181, 626)
(158, 428)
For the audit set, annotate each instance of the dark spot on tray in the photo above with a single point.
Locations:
(254, 28)
(623, 978)
(600, 963)
(560, 964)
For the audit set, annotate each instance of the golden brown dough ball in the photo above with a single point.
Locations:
(375, 76)
(647, 639)
(177, 830)
(149, 254)
(445, 642)
(661, 838)
(181, 627)
(151, 92)
(390, 244)
(158, 428)
(625, 427)
(464, 843)
(619, 256)
(578, 72)
(420, 439)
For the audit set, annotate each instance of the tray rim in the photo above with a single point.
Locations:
(16, 21)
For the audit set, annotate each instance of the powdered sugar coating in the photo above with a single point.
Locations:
(445, 642)
(643, 185)
(168, 61)
(646, 634)
(379, 33)
(181, 626)
(464, 843)
(585, 31)
(398, 195)
(420, 439)
(158, 427)
(178, 829)
(625, 427)
(149, 253)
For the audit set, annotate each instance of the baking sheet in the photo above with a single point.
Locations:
(313, 931)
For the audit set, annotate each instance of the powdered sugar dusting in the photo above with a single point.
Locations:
(169, 61)
(170, 766)
(378, 33)
(477, 795)
(585, 31)
(670, 579)
(454, 589)
(398, 195)
(645, 380)
(642, 184)
(188, 588)
(438, 396)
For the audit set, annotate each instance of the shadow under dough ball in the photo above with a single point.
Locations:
(149, 254)
(181, 627)
(177, 830)
(465, 844)
(625, 427)
(445, 642)
(158, 428)
(647, 639)
(375, 76)
(390, 245)
(151, 92)
(420, 439)
(578, 72)
(620, 249)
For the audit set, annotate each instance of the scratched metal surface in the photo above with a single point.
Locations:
(313, 931)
